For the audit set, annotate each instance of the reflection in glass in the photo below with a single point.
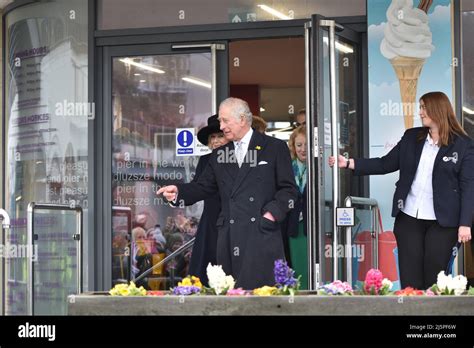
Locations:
(152, 97)
(46, 123)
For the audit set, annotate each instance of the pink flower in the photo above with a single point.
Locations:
(429, 292)
(373, 281)
(236, 292)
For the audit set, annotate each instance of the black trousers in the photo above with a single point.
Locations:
(424, 249)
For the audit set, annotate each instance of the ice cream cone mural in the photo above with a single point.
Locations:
(407, 44)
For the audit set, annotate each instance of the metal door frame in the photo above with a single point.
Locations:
(315, 104)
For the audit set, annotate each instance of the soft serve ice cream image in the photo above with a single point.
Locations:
(407, 44)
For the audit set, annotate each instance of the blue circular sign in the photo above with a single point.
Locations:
(185, 138)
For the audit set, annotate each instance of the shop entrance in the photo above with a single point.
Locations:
(150, 90)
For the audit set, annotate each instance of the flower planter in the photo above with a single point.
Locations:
(305, 303)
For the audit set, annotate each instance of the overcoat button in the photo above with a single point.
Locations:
(251, 199)
(231, 221)
(252, 219)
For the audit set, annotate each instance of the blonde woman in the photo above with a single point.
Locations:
(296, 228)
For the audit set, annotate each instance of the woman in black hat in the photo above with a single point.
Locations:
(205, 245)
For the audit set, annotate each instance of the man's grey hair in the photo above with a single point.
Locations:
(237, 108)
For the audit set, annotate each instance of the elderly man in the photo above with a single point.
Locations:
(254, 178)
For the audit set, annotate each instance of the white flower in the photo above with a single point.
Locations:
(443, 281)
(218, 280)
(229, 282)
(388, 283)
(458, 283)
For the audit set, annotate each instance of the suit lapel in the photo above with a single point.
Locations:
(231, 167)
(257, 140)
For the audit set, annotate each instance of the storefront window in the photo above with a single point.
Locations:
(46, 149)
(121, 14)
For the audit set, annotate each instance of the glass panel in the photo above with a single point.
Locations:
(349, 143)
(46, 118)
(468, 67)
(55, 270)
(120, 14)
(121, 244)
(152, 96)
(467, 45)
(363, 244)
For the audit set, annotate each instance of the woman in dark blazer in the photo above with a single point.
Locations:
(433, 202)
(205, 244)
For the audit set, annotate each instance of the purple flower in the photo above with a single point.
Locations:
(186, 290)
(284, 275)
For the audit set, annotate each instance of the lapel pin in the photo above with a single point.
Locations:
(258, 147)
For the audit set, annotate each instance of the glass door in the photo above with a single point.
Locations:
(334, 126)
(160, 96)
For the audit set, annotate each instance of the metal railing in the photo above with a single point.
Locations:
(175, 253)
(373, 205)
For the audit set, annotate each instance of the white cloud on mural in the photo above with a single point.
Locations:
(375, 32)
(440, 15)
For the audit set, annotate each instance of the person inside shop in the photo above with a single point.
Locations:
(433, 202)
(141, 254)
(259, 124)
(254, 178)
(300, 119)
(205, 244)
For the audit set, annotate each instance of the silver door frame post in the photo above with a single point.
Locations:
(331, 24)
(311, 223)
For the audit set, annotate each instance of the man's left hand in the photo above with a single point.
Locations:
(269, 216)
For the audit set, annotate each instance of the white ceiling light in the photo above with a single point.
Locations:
(339, 46)
(262, 109)
(467, 110)
(274, 12)
(197, 81)
(141, 66)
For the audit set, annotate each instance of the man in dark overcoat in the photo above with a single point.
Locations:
(254, 178)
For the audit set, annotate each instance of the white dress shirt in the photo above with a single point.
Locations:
(419, 202)
(244, 144)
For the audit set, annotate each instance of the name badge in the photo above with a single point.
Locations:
(453, 158)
